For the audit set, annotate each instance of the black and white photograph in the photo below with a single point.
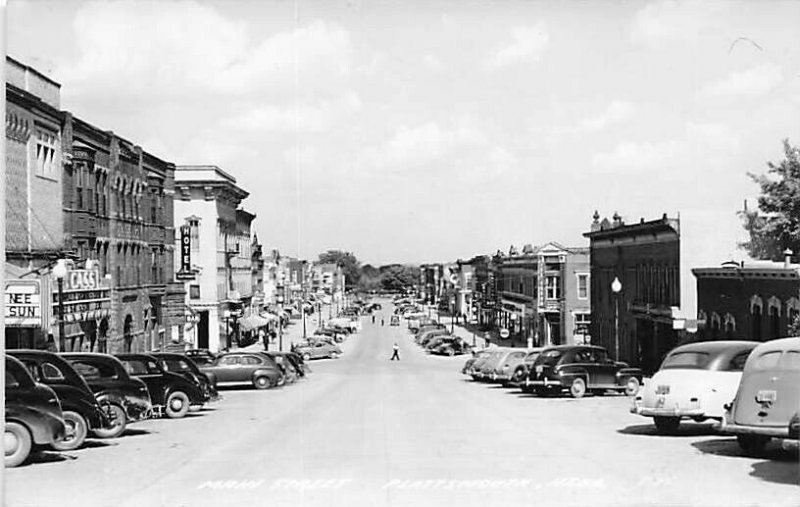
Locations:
(322, 253)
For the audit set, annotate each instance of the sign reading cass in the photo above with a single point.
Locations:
(86, 296)
(23, 303)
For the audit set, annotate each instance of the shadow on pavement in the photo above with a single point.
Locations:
(730, 448)
(94, 444)
(46, 456)
(781, 472)
(685, 430)
(135, 432)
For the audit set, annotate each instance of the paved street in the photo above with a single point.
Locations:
(362, 430)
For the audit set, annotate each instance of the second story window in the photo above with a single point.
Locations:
(583, 286)
(553, 287)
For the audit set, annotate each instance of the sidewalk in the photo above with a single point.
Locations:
(467, 331)
(292, 333)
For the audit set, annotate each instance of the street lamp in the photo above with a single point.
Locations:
(616, 288)
(60, 271)
(227, 315)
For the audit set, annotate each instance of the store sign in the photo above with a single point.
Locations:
(186, 248)
(23, 303)
(82, 279)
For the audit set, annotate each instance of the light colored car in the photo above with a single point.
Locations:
(522, 369)
(317, 350)
(477, 355)
(695, 381)
(501, 368)
(768, 395)
(483, 369)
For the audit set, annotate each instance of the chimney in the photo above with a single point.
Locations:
(787, 259)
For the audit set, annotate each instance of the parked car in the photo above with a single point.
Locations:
(480, 368)
(476, 356)
(293, 360)
(32, 414)
(768, 395)
(287, 368)
(201, 356)
(522, 370)
(183, 365)
(503, 370)
(172, 395)
(317, 350)
(236, 368)
(124, 399)
(432, 335)
(497, 366)
(80, 409)
(581, 368)
(395, 320)
(695, 381)
(451, 347)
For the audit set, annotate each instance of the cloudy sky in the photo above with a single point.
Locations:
(434, 130)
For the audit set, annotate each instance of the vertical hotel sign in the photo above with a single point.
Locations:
(186, 272)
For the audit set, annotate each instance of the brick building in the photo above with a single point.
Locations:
(34, 224)
(645, 258)
(755, 300)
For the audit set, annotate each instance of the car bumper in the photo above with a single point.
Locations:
(740, 429)
(668, 412)
(545, 382)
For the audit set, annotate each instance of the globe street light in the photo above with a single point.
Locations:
(616, 288)
(59, 272)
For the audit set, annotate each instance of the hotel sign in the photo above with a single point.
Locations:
(23, 303)
(186, 248)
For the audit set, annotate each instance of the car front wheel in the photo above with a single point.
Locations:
(306, 356)
(177, 405)
(118, 419)
(17, 443)
(578, 388)
(632, 386)
(77, 429)
(667, 425)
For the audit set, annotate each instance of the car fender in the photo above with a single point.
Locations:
(624, 373)
(572, 372)
(179, 383)
(265, 372)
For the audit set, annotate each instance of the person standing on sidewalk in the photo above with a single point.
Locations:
(395, 352)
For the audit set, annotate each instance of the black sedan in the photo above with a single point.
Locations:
(172, 394)
(123, 398)
(81, 410)
(183, 365)
(32, 414)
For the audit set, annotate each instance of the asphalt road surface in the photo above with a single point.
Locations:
(363, 430)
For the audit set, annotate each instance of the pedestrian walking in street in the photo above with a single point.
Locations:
(395, 352)
(381, 321)
(373, 319)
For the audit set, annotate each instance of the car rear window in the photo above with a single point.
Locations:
(694, 360)
(176, 365)
(549, 357)
(791, 360)
(94, 371)
(767, 360)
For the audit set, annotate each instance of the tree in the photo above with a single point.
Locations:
(350, 265)
(397, 277)
(775, 226)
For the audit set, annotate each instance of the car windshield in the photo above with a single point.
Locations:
(176, 365)
(692, 360)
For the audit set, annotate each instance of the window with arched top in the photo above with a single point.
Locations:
(730, 325)
(756, 303)
(755, 323)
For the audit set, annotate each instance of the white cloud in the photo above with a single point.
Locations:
(460, 150)
(432, 61)
(709, 145)
(528, 45)
(301, 156)
(758, 80)
(186, 49)
(667, 22)
(320, 116)
(617, 111)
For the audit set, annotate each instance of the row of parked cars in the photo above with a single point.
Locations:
(750, 389)
(57, 401)
(436, 339)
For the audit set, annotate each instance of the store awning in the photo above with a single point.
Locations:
(252, 322)
(270, 316)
